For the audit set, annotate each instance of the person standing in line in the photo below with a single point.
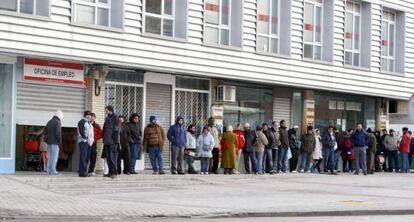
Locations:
(329, 146)
(410, 155)
(405, 149)
(153, 144)
(177, 137)
(205, 144)
(361, 140)
(275, 146)
(308, 147)
(124, 151)
(268, 157)
(241, 142)
(111, 140)
(53, 136)
(228, 144)
(391, 146)
(371, 151)
(294, 148)
(248, 150)
(134, 127)
(317, 153)
(190, 148)
(259, 149)
(216, 151)
(348, 155)
(85, 140)
(383, 135)
(97, 135)
(284, 146)
(337, 153)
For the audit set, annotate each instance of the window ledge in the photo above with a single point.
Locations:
(99, 27)
(360, 68)
(23, 15)
(228, 47)
(277, 55)
(162, 37)
(317, 61)
(392, 73)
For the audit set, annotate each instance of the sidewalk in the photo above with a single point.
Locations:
(192, 196)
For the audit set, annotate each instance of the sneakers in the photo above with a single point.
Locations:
(155, 173)
(173, 172)
(302, 171)
(202, 173)
(91, 174)
(113, 176)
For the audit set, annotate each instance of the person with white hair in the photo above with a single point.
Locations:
(249, 149)
(53, 136)
(229, 143)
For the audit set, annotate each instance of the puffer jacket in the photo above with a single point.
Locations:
(53, 131)
(176, 134)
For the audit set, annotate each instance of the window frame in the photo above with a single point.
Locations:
(389, 22)
(353, 51)
(269, 35)
(220, 26)
(314, 43)
(33, 15)
(162, 16)
(96, 5)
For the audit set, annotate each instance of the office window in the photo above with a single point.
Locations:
(352, 34)
(312, 29)
(108, 13)
(30, 7)
(268, 12)
(222, 22)
(388, 41)
(166, 17)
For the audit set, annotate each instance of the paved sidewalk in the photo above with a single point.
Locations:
(194, 196)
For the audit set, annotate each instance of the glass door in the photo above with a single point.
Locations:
(6, 118)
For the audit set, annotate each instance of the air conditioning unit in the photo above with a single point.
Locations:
(226, 93)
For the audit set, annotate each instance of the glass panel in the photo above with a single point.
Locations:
(10, 5)
(212, 12)
(168, 27)
(91, 1)
(262, 44)
(128, 76)
(390, 65)
(356, 32)
(85, 14)
(6, 74)
(391, 16)
(275, 17)
(211, 35)
(348, 30)
(357, 8)
(384, 39)
(274, 45)
(225, 9)
(349, 6)
(152, 25)
(153, 6)
(356, 59)
(384, 64)
(190, 83)
(391, 42)
(42, 7)
(308, 51)
(168, 7)
(348, 58)
(385, 15)
(103, 1)
(308, 26)
(318, 52)
(225, 37)
(263, 16)
(26, 6)
(318, 24)
(103, 16)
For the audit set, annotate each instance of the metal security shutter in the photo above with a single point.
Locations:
(158, 103)
(193, 107)
(37, 103)
(125, 99)
(281, 109)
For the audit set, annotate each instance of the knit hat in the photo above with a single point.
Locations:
(152, 118)
(369, 130)
(59, 114)
(310, 127)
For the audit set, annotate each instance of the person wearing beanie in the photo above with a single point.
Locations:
(308, 146)
(153, 144)
(371, 151)
(111, 140)
(178, 138)
(85, 141)
(53, 134)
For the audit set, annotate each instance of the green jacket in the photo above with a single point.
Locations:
(372, 147)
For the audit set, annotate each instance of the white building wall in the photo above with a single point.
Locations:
(58, 38)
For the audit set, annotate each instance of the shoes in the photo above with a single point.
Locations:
(134, 172)
(181, 173)
(113, 176)
(173, 172)
(302, 171)
(365, 173)
(334, 173)
(271, 173)
(91, 174)
(192, 172)
(161, 172)
(155, 173)
(127, 173)
(107, 175)
(356, 173)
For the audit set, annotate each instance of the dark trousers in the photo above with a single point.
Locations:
(293, 162)
(275, 154)
(84, 152)
(392, 161)
(190, 161)
(281, 162)
(249, 157)
(111, 158)
(92, 158)
(215, 160)
(370, 162)
(268, 161)
(124, 154)
(347, 160)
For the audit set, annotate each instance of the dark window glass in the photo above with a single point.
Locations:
(189, 83)
(127, 76)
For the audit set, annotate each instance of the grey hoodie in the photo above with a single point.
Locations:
(391, 143)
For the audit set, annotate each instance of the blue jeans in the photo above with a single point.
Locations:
(305, 161)
(205, 164)
(155, 155)
(259, 161)
(360, 158)
(268, 160)
(53, 158)
(337, 155)
(282, 159)
(84, 154)
(404, 162)
(329, 160)
(135, 149)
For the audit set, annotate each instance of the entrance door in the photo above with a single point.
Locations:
(158, 103)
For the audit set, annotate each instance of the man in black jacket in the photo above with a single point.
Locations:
(111, 140)
(249, 149)
(268, 158)
(275, 147)
(53, 136)
(294, 148)
(284, 146)
(135, 141)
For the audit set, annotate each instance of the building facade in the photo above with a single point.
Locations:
(310, 62)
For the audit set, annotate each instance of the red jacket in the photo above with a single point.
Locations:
(405, 143)
(240, 138)
(347, 149)
(97, 133)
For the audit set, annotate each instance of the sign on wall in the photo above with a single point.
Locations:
(53, 71)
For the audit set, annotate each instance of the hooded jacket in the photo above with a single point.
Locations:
(136, 132)
(176, 134)
(360, 138)
(53, 131)
(205, 144)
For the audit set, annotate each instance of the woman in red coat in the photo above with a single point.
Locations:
(347, 149)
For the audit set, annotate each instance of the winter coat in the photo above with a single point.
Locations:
(85, 132)
(214, 133)
(360, 138)
(261, 141)
(229, 145)
(293, 140)
(405, 143)
(136, 132)
(53, 131)
(270, 136)
(276, 143)
(317, 153)
(412, 146)
(240, 139)
(125, 136)
(329, 141)
(372, 146)
(205, 144)
(111, 130)
(251, 140)
(153, 136)
(191, 141)
(176, 134)
(308, 143)
(284, 138)
(391, 143)
(347, 148)
(97, 133)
